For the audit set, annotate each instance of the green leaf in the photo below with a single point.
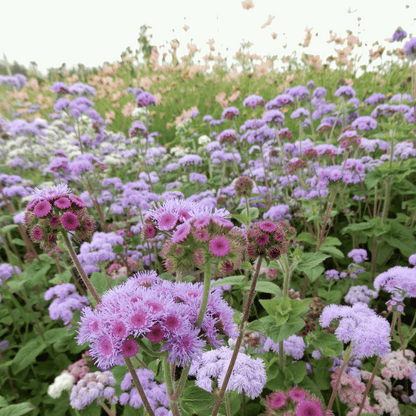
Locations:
(6, 218)
(194, 400)
(296, 371)
(134, 219)
(308, 384)
(100, 284)
(299, 306)
(314, 273)
(19, 242)
(242, 218)
(246, 265)
(331, 241)
(353, 228)
(271, 306)
(57, 334)
(372, 178)
(253, 212)
(8, 228)
(27, 355)
(3, 401)
(230, 280)
(402, 238)
(332, 250)
(266, 287)
(17, 409)
(284, 331)
(306, 237)
(118, 248)
(311, 260)
(329, 344)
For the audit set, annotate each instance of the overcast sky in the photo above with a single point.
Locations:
(91, 32)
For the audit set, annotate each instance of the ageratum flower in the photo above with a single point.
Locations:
(230, 113)
(410, 49)
(345, 91)
(365, 123)
(162, 311)
(253, 101)
(360, 325)
(398, 35)
(145, 99)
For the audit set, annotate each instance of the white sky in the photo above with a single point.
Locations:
(91, 32)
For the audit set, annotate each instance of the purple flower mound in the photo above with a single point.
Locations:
(293, 346)
(345, 90)
(410, 48)
(360, 325)
(6, 272)
(65, 302)
(190, 160)
(275, 117)
(145, 99)
(300, 112)
(359, 294)
(17, 80)
(253, 101)
(155, 393)
(399, 281)
(198, 177)
(358, 255)
(248, 374)
(365, 123)
(375, 99)
(398, 35)
(164, 312)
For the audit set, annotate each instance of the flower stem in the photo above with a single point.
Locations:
(81, 271)
(239, 339)
(369, 383)
(204, 302)
(169, 385)
(139, 387)
(347, 357)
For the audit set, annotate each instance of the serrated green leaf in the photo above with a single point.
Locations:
(27, 355)
(118, 248)
(19, 242)
(284, 331)
(311, 260)
(308, 384)
(241, 217)
(334, 251)
(314, 273)
(230, 280)
(266, 287)
(8, 228)
(306, 237)
(194, 400)
(299, 306)
(329, 344)
(296, 371)
(17, 409)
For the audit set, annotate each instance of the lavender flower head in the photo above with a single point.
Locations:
(93, 387)
(410, 48)
(65, 302)
(365, 123)
(399, 281)
(398, 35)
(358, 255)
(155, 393)
(346, 91)
(360, 294)
(253, 101)
(6, 271)
(248, 374)
(360, 325)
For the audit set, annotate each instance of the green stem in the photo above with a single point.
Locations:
(139, 387)
(207, 287)
(347, 357)
(227, 405)
(369, 383)
(149, 351)
(81, 271)
(169, 385)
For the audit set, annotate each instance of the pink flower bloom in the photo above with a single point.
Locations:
(262, 239)
(202, 222)
(268, 226)
(105, 346)
(219, 246)
(77, 201)
(69, 221)
(54, 221)
(156, 333)
(62, 203)
(201, 235)
(181, 233)
(278, 401)
(296, 395)
(129, 348)
(307, 408)
(149, 230)
(119, 330)
(42, 209)
(167, 221)
(37, 233)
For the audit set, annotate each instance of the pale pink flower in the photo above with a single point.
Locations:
(269, 21)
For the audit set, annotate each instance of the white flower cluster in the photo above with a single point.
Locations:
(64, 381)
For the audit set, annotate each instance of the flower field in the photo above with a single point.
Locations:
(182, 239)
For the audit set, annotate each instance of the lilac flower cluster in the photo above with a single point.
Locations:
(410, 48)
(399, 281)
(65, 303)
(6, 271)
(156, 393)
(17, 80)
(293, 346)
(358, 255)
(198, 177)
(368, 332)
(162, 311)
(253, 101)
(248, 375)
(93, 387)
(360, 294)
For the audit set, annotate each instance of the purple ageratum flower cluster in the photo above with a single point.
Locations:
(280, 101)
(228, 136)
(299, 92)
(278, 213)
(99, 250)
(345, 91)
(360, 294)
(248, 375)
(6, 272)
(190, 160)
(230, 113)
(204, 239)
(274, 117)
(145, 99)
(399, 281)
(253, 101)
(198, 177)
(156, 393)
(54, 209)
(93, 387)
(24, 128)
(17, 80)
(375, 99)
(319, 92)
(65, 303)
(293, 346)
(410, 48)
(162, 311)
(136, 128)
(358, 255)
(360, 325)
(301, 113)
(365, 123)
(398, 35)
